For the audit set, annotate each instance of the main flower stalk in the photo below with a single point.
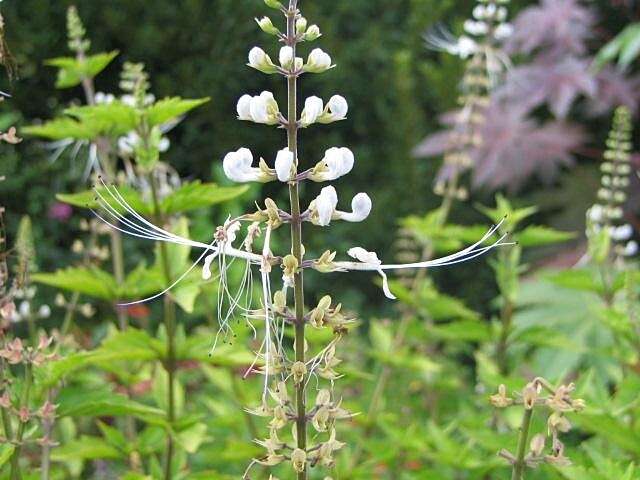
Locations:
(296, 236)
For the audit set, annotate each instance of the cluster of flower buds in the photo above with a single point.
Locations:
(15, 352)
(24, 311)
(85, 309)
(485, 65)
(606, 216)
(557, 401)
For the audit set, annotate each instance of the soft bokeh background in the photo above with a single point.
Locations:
(395, 86)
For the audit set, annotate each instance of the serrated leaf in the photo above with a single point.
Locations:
(610, 429)
(72, 71)
(85, 448)
(88, 199)
(113, 119)
(538, 235)
(113, 436)
(141, 282)
(194, 195)
(87, 280)
(171, 108)
(63, 128)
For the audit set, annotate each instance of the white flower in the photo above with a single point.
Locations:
(476, 28)
(313, 108)
(128, 144)
(336, 110)
(325, 205)
(360, 209)
(238, 167)
(261, 109)
(621, 233)
(44, 311)
(104, 98)
(464, 48)
(24, 309)
(501, 16)
(364, 256)
(318, 61)
(244, 107)
(503, 31)
(596, 213)
(286, 56)
(480, 12)
(284, 162)
(631, 249)
(336, 163)
(259, 60)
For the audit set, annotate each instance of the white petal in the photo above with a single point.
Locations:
(313, 108)
(326, 204)
(206, 268)
(283, 164)
(244, 107)
(286, 56)
(364, 256)
(338, 107)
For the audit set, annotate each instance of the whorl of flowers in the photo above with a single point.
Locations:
(607, 215)
(532, 451)
(480, 46)
(247, 239)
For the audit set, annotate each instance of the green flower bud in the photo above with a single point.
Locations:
(312, 33)
(267, 26)
(275, 4)
(301, 25)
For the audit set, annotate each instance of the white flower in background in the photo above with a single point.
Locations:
(128, 144)
(622, 233)
(336, 110)
(238, 167)
(44, 311)
(318, 61)
(360, 209)
(313, 108)
(102, 98)
(259, 60)
(336, 163)
(631, 249)
(324, 206)
(286, 56)
(284, 164)
(503, 31)
(260, 109)
(131, 101)
(501, 15)
(476, 27)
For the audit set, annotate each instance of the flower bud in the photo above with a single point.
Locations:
(286, 56)
(275, 4)
(325, 206)
(318, 62)
(537, 444)
(267, 26)
(312, 33)
(259, 60)
(301, 25)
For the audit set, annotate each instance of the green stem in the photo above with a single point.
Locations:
(24, 403)
(296, 239)
(170, 326)
(518, 466)
(6, 420)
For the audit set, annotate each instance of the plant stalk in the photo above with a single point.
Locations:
(170, 326)
(518, 466)
(24, 403)
(296, 239)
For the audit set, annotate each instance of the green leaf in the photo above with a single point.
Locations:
(113, 436)
(191, 438)
(80, 402)
(141, 282)
(72, 71)
(85, 448)
(63, 128)
(462, 331)
(611, 429)
(171, 108)
(576, 279)
(194, 195)
(89, 199)
(113, 119)
(6, 451)
(87, 280)
(381, 337)
(538, 235)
